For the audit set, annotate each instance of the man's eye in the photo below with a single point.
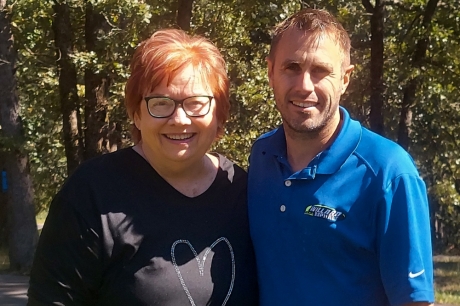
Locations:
(293, 67)
(320, 70)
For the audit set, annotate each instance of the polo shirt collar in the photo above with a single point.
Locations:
(343, 146)
(330, 160)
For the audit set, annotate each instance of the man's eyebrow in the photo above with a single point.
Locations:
(326, 65)
(289, 62)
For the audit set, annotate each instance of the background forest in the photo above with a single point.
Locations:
(63, 66)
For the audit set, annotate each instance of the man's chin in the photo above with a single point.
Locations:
(305, 129)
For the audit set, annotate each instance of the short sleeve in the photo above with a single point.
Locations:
(404, 242)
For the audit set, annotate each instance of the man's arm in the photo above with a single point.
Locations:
(406, 262)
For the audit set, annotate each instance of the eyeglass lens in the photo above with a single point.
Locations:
(193, 106)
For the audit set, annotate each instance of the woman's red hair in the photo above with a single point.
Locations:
(165, 54)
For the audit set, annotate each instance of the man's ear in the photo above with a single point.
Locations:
(270, 71)
(346, 77)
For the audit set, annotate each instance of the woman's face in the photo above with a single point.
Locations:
(178, 138)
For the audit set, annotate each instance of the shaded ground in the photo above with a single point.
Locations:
(13, 290)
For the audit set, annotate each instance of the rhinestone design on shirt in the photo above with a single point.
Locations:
(201, 265)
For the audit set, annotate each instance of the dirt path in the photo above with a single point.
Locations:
(13, 290)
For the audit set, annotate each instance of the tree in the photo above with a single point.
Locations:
(97, 84)
(184, 14)
(413, 83)
(70, 107)
(22, 227)
(393, 42)
(377, 87)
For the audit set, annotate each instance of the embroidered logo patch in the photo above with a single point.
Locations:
(322, 211)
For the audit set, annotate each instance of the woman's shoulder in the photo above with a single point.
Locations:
(109, 163)
(234, 172)
(105, 167)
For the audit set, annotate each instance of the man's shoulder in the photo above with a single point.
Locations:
(266, 135)
(264, 139)
(382, 153)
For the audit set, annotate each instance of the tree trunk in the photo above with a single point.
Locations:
(184, 14)
(3, 201)
(63, 39)
(377, 87)
(405, 114)
(96, 89)
(22, 226)
(410, 90)
(114, 137)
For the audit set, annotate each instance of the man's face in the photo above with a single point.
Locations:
(308, 79)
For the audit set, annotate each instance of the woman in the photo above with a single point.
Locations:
(163, 222)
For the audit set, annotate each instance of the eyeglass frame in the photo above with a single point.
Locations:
(176, 103)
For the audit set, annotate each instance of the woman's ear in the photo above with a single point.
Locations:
(137, 120)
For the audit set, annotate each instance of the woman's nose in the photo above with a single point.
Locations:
(179, 116)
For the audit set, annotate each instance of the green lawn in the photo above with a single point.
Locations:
(447, 279)
(41, 217)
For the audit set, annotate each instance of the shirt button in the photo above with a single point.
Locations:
(287, 183)
(283, 208)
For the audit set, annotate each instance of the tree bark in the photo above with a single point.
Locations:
(377, 87)
(114, 137)
(21, 224)
(63, 39)
(96, 89)
(410, 90)
(3, 201)
(184, 14)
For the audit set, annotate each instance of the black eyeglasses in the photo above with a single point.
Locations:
(163, 107)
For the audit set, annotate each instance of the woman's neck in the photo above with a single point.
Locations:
(191, 178)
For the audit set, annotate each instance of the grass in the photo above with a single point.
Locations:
(447, 279)
(41, 217)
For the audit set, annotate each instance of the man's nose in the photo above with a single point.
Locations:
(305, 82)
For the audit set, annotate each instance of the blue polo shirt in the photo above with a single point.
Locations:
(350, 229)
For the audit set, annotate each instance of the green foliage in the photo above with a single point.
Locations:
(241, 29)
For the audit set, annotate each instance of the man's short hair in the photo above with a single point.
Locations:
(315, 22)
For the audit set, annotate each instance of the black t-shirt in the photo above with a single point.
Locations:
(118, 234)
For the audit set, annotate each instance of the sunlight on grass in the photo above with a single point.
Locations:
(41, 217)
(4, 261)
(447, 279)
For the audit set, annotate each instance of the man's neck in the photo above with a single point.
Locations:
(303, 148)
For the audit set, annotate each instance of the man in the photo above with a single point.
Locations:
(338, 214)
